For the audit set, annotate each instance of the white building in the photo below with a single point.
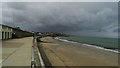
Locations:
(8, 32)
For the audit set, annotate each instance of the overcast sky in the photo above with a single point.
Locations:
(60, 0)
(76, 18)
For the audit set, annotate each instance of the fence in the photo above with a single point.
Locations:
(37, 61)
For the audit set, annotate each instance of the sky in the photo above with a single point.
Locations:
(59, 0)
(75, 18)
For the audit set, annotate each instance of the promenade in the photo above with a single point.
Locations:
(17, 52)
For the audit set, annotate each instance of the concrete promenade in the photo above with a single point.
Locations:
(17, 52)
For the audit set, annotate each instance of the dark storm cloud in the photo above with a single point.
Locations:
(17, 6)
(74, 18)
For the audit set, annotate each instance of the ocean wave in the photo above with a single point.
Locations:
(116, 51)
(102, 48)
(65, 40)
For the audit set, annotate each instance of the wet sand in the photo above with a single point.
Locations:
(62, 53)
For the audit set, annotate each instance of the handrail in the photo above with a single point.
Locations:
(36, 59)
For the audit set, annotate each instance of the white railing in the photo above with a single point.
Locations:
(37, 60)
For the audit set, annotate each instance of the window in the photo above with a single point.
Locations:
(2, 35)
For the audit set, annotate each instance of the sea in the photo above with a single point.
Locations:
(109, 44)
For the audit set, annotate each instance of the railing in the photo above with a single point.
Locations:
(37, 60)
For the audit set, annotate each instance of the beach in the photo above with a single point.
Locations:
(61, 53)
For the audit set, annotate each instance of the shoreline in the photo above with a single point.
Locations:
(91, 45)
(61, 53)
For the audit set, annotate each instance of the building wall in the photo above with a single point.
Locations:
(9, 32)
(6, 32)
(0, 32)
(19, 33)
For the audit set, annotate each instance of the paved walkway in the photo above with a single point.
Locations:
(17, 52)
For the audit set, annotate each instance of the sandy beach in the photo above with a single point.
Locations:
(62, 53)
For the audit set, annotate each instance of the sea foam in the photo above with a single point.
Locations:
(102, 48)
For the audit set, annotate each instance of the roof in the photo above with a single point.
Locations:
(15, 28)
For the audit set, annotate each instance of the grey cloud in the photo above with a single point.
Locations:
(17, 6)
(73, 18)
